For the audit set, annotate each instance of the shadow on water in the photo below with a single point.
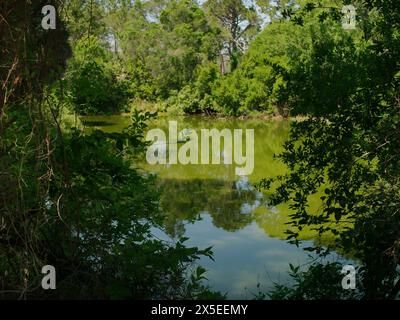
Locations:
(113, 123)
(97, 123)
(229, 216)
(229, 204)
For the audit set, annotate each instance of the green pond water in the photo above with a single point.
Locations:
(213, 206)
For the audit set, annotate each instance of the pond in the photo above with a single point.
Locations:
(212, 206)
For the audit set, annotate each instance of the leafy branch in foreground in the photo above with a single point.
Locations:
(348, 153)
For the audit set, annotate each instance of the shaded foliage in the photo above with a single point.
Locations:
(352, 154)
(73, 200)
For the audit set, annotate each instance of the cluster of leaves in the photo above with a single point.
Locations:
(164, 43)
(350, 151)
(253, 85)
(197, 97)
(30, 58)
(210, 92)
(318, 282)
(93, 82)
(291, 68)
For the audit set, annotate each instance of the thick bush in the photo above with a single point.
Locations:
(96, 90)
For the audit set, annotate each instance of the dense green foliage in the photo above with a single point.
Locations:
(352, 149)
(318, 282)
(213, 58)
(164, 46)
(73, 200)
(93, 81)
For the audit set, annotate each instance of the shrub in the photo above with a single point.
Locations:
(197, 97)
(95, 90)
